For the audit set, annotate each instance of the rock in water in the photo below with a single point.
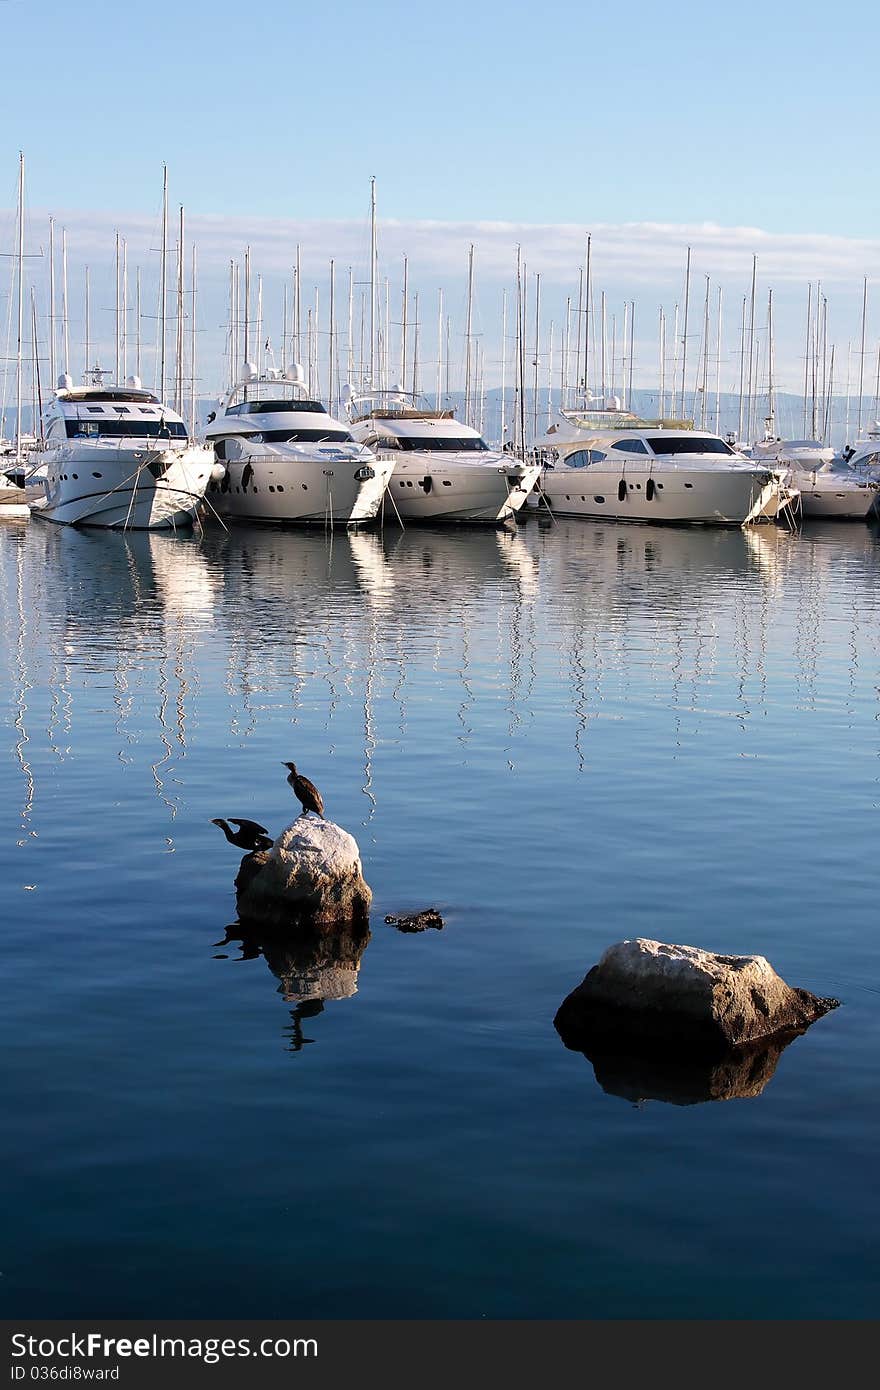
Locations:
(312, 873)
(682, 995)
(417, 921)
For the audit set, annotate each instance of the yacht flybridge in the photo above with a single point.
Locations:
(443, 469)
(284, 459)
(116, 456)
(609, 463)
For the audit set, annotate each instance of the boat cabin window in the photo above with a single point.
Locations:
(126, 429)
(438, 444)
(274, 406)
(631, 446)
(582, 458)
(314, 436)
(681, 444)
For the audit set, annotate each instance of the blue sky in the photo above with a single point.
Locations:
(737, 131)
(757, 113)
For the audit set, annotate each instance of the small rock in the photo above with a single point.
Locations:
(312, 873)
(418, 921)
(680, 994)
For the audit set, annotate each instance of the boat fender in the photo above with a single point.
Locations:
(426, 484)
(218, 471)
(247, 474)
(649, 490)
(621, 490)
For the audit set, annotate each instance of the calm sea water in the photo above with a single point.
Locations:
(560, 737)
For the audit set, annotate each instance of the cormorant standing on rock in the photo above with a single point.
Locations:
(305, 791)
(248, 836)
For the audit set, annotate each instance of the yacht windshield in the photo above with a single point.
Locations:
(126, 429)
(327, 436)
(681, 444)
(435, 444)
(273, 407)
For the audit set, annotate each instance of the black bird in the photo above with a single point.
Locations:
(305, 791)
(248, 836)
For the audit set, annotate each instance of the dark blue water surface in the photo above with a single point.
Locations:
(560, 737)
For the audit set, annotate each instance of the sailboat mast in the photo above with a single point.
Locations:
(65, 322)
(331, 377)
(247, 304)
(124, 309)
(403, 326)
(467, 340)
(632, 348)
(807, 352)
(373, 285)
(862, 353)
(415, 362)
(192, 347)
(163, 285)
(771, 403)
(504, 361)
(537, 350)
(18, 358)
(588, 291)
(718, 368)
(684, 335)
(116, 353)
(52, 363)
(37, 407)
(439, 346)
(179, 373)
(87, 324)
(662, 363)
(704, 384)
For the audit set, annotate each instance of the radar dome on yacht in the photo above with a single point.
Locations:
(248, 372)
(65, 382)
(612, 403)
(134, 382)
(295, 373)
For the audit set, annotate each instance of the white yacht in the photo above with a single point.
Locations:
(116, 456)
(284, 459)
(827, 491)
(863, 457)
(609, 463)
(443, 469)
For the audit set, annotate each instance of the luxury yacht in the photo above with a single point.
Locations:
(827, 489)
(443, 469)
(116, 456)
(284, 459)
(609, 463)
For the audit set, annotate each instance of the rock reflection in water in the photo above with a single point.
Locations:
(682, 1077)
(313, 966)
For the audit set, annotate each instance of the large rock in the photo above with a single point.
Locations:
(311, 874)
(682, 995)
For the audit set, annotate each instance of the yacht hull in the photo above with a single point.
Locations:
(692, 496)
(836, 502)
(438, 491)
(124, 489)
(301, 492)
